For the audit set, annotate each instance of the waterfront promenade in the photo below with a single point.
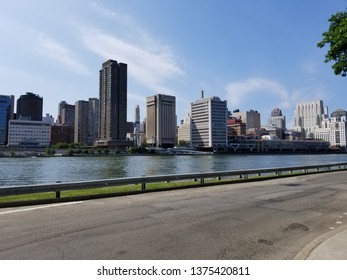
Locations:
(287, 218)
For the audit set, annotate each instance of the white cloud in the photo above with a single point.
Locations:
(307, 93)
(60, 53)
(239, 91)
(149, 66)
(264, 95)
(101, 10)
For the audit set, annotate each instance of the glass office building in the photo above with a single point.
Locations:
(6, 114)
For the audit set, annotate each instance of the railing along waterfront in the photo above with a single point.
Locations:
(200, 178)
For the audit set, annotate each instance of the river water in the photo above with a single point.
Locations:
(27, 170)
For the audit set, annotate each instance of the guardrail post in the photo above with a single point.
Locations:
(143, 184)
(57, 193)
(202, 179)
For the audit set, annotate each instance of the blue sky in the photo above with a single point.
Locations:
(258, 54)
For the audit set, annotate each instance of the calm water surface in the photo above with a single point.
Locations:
(21, 171)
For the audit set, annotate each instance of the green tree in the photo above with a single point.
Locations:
(50, 151)
(183, 143)
(336, 37)
(69, 152)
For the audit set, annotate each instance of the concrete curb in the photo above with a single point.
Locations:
(307, 250)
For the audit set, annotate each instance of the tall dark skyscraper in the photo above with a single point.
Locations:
(137, 114)
(29, 106)
(113, 101)
(6, 114)
(81, 121)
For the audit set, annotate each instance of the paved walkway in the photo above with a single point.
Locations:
(330, 246)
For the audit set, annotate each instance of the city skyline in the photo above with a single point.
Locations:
(264, 117)
(254, 55)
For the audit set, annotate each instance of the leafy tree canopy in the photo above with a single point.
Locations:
(336, 37)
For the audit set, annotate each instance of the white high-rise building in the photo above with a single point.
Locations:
(209, 123)
(338, 132)
(323, 133)
(333, 130)
(308, 117)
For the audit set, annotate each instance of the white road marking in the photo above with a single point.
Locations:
(40, 207)
(339, 222)
(331, 228)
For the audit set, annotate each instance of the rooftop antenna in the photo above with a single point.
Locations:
(202, 94)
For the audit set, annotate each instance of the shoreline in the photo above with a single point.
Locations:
(42, 154)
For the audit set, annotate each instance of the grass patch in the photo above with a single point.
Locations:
(93, 191)
(27, 197)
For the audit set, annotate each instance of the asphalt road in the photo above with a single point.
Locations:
(272, 219)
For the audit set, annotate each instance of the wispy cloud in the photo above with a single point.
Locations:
(60, 53)
(309, 67)
(309, 92)
(151, 64)
(239, 91)
(101, 10)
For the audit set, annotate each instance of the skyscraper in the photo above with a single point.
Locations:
(29, 106)
(308, 117)
(113, 101)
(81, 121)
(66, 113)
(209, 123)
(6, 114)
(277, 119)
(137, 119)
(93, 120)
(137, 114)
(161, 120)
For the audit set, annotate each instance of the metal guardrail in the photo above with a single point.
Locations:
(143, 180)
